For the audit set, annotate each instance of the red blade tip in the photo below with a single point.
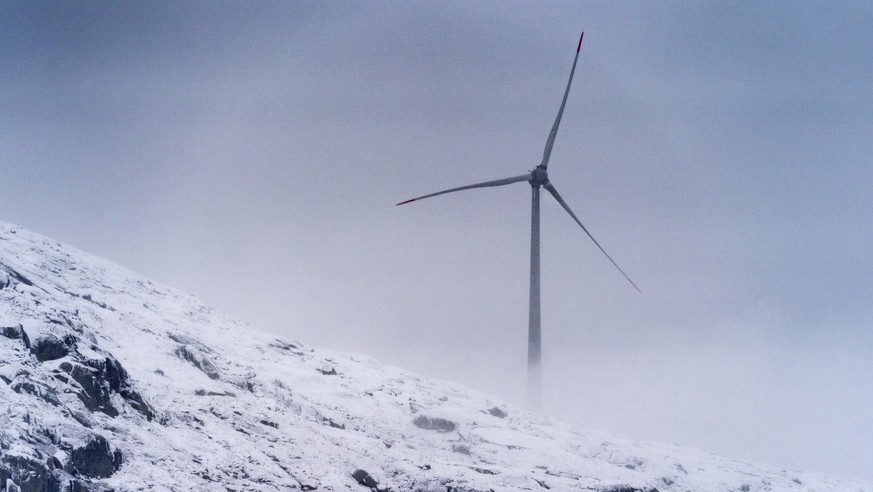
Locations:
(580, 43)
(406, 201)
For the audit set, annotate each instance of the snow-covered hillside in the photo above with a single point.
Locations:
(110, 381)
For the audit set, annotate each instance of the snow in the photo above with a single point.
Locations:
(239, 409)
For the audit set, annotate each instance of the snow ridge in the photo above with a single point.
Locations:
(109, 381)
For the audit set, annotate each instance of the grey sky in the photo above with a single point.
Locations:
(251, 153)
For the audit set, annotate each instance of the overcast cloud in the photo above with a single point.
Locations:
(251, 153)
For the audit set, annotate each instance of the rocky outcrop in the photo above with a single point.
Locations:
(52, 369)
(199, 360)
(497, 412)
(434, 423)
(23, 383)
(10, 274)
(15, 332)
(364, 478)
(94, 381)
(50, 347)
(61, 457)
(95, 459)
(25, 474)
(105, 377)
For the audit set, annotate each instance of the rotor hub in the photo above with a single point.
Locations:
(538, 177)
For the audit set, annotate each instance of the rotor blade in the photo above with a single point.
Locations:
(486, 184)
(551, 141)
(557, 196)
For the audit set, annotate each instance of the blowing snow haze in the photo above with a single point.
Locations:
(252, 153)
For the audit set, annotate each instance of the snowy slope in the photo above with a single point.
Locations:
(110, 381)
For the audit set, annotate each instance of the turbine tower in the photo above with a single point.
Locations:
(538, 178)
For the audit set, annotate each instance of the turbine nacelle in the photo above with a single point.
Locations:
(538, 177)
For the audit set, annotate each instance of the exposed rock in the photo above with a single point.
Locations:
(189, 341)
(25, 338)
(289, 347)
(203, 392)
(27, 475)
(497, 412)
(23, 384)
(137, 402)
(461, 448)
(94, 391)
(15, 275)
(50, 347)
(199, 360)
(110, 370)
(76, 486)
(365, 479)
(434, 423)
(88, 297)
(95, 459)
(97, 380)
(14, 332)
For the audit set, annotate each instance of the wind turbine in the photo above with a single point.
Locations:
(537, 177)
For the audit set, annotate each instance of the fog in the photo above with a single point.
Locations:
(252, 153)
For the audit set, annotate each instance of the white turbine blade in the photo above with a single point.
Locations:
(560, 200)
(486, 184)
(551, 141)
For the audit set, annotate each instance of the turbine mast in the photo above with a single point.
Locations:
(534, 340)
